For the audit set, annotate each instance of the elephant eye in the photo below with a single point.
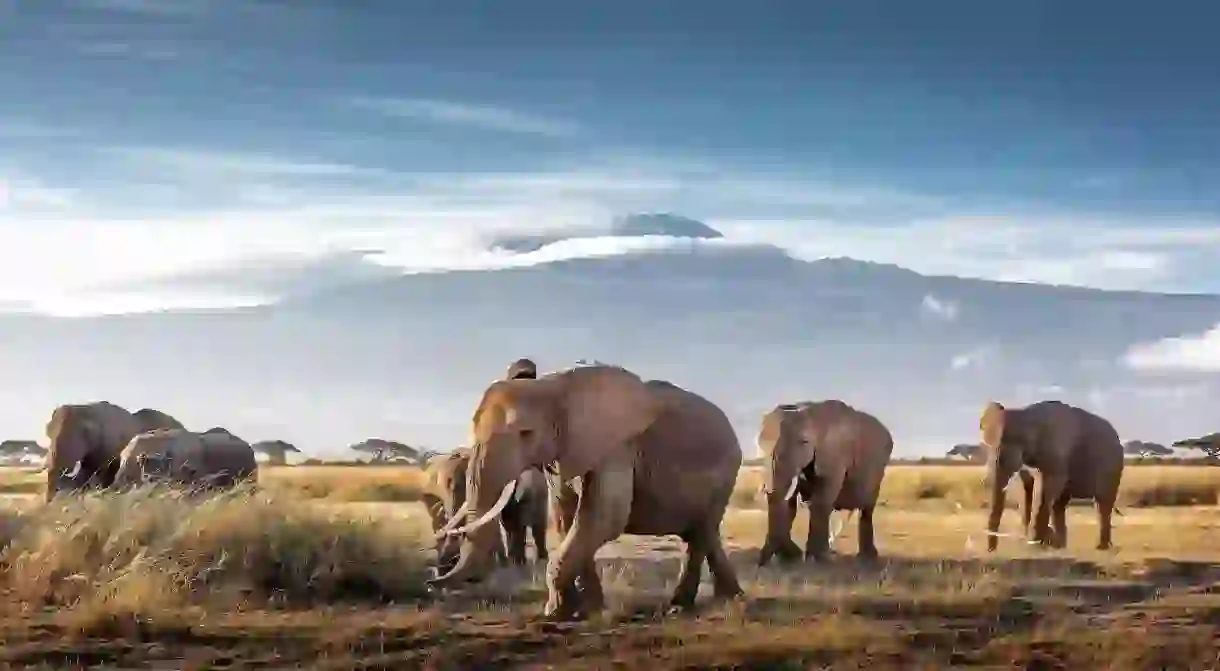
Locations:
(526, 434)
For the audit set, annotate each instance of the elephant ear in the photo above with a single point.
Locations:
(992, 424)
(603, 409)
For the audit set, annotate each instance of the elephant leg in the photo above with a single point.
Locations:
(691, 575)
(1027, 487)
(1059, 530)
(1105, 510)
(601, 516)
(868, 543)
(821, 505)
(512, 523)
(589, 588)
(724, 577)
(817, 544)
(539, 533)
(108, 473)
(514, 534)
(498, 550)
(786, 550)
(1052, 488)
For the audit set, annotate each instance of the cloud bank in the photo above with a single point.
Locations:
(183, 227)
(1186, 353)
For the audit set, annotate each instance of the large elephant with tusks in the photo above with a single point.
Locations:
(1077, 454)
(87, 441)
(444, 497)
(834, 457)
(646, 458)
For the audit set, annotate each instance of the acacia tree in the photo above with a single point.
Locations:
(386, 450)
(1140, 448)
(1209, 445)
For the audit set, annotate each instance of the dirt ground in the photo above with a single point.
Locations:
(934, 601)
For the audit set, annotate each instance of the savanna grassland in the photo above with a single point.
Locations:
(324, 567)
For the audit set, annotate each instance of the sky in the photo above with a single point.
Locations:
(216, 153)
(1035, 141)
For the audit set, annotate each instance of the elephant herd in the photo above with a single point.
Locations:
(606, 452)
(102, 445)
(616, 454)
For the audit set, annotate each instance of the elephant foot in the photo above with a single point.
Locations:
(1105, 546)
(868, 557)
(819, 557)
(561, 612)
(679, 609)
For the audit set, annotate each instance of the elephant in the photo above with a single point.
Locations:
(212, 460)
(525, 514)
(156, 419)
(1076, 454)
(644, 458)
(87, 439)
(832, 455)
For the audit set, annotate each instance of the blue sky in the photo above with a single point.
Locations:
(1034, 141)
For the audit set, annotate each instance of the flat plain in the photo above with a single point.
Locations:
(323, 567)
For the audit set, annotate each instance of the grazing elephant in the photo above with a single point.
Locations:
(211, 460)
(525, 514)
(647, 458)
(1076, 453)
(87, 440)
(832, 455)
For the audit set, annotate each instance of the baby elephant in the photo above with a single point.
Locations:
(215, 459)
(445, 498)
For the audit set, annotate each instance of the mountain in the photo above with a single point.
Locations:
(408, 356)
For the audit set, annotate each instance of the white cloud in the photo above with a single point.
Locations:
(975, 357)
(167, 213)
(481, 116)
(1186, 353)
(21, 194)
(1106, 253)
(939, 308)
(195, 162)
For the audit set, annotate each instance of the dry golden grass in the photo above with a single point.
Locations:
(323, 568)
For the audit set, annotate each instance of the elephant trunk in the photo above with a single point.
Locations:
(781, 490)
(473, 559)
(485, 479)
(997, 480)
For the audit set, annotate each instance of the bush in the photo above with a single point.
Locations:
(140, 552)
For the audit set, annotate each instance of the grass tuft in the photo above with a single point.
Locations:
(153, 549)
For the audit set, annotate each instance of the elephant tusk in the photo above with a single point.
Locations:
(792, 488)
(490, 515)
(458, 516)
(74, 472)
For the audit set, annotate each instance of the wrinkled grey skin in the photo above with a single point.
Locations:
(628, 456)
(209, 460)
(833, 457)
(525, 515)
(87, 441)
(1077, 454)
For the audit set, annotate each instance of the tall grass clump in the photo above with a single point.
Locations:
(154, 549)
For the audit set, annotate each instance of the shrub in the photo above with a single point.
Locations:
(139, 552)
